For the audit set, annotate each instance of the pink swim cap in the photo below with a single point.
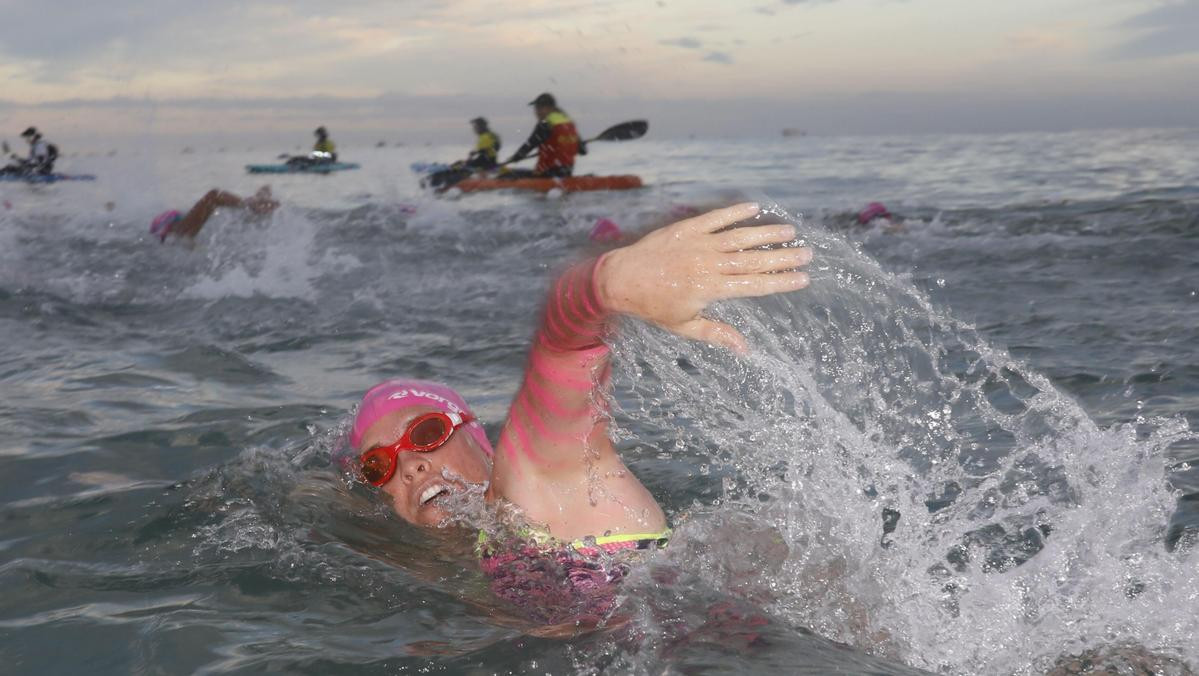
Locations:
(605, 230)
(872, 211)
(392, 395)
(162, 223)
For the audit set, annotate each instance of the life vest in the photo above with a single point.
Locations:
(325, 146)
(488, 146)
(40, 151)
(560, 148)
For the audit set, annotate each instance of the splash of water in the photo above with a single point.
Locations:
(940, 502)
(276, 257)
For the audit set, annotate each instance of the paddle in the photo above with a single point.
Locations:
(625, 131)
(8, 151)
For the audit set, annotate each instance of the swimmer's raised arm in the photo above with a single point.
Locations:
(188, 225)
(672, 274)
(555, 459)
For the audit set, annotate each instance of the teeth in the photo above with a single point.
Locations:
(430, 493)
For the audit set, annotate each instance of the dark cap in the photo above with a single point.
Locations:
(546, 99)
(32, 131)
(320, 131)
(479, 121)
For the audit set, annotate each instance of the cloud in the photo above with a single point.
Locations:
(1166, 30)
(81, 27)
(685, 42)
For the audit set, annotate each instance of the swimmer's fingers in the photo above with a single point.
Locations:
(739, 239)
(758, 261)
(720, 218)
(763, 284)
(713, 333)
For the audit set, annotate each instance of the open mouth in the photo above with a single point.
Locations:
(432, 493)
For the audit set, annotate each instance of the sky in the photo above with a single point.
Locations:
(416, 70)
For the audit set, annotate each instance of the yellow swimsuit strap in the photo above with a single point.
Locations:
(543, 538)
(622, 538)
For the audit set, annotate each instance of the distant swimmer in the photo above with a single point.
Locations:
(606, 230)
(877, 211)
(554, 138)
(487, 146)
(42, 155)
(178, 224)
(323, 151)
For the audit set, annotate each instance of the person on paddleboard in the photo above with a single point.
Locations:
(323, 151)
(42, 155)
(555, 139)
(574, 513)
(323, 148)
(177, 224)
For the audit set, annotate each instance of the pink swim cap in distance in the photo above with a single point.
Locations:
(872, 211)
(393, 395)
(162, 223)
(605, 230)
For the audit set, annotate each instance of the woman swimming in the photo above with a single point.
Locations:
(555, 462)
(187, 226)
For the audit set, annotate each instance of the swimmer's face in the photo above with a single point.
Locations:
(419, 487)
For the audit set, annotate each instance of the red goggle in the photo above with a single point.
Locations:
(427, 432)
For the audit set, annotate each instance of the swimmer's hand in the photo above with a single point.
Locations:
(671, 275)
(262, 202)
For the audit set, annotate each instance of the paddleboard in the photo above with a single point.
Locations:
(45, 178)
(317, 168)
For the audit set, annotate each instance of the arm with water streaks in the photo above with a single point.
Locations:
(555, 459)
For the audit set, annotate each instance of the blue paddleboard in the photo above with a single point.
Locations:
(45, 178)
(315, 168)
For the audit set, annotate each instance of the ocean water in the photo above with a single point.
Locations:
(967, 448)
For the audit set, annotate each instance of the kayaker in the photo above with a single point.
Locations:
(554, 138)
(186, 226)
(487, 147)
(482, 158)
(580, 511)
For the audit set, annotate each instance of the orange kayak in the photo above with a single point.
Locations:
(568, 184)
